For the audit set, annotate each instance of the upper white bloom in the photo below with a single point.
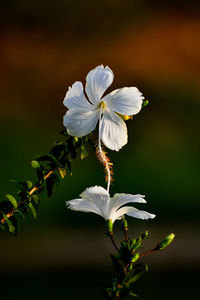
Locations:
(97, 200)
(83, 113)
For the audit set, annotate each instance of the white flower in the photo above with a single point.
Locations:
(97, 200)
(83, 114)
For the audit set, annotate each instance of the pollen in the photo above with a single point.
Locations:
(105, 161)
(125, 117)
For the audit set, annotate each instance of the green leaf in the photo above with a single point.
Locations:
(133, 294)
(29, 184)
(62, 172)
(11, 227)
(84, 152)
(36, 200)
(20, 213)
(35, 164)
(137, 272)
(12, 200)
(69, 166)
(33, 210)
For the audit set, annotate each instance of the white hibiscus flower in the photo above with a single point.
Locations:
(97, 200)
(83, 113)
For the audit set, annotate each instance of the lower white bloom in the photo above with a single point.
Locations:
(97, 200)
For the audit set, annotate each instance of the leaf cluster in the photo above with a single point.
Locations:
(127, 268)
(50, 171)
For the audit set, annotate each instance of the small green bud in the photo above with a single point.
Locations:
(135, 257)
(145, 235)
(110, 226)
(145, 103)
(35, 164)
(169, 238)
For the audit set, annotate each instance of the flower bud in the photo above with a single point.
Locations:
(135, 257)
(125, 224)
(169, 238)
(110, 226)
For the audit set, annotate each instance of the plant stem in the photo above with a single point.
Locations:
(148, 252)
(113, 241)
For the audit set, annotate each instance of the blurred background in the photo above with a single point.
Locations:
(44, 47)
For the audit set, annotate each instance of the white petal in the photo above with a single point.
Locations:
(75, 97)
(83, 205)
(100, 197)
(126, 101)
(80, 122)
(121, 199)
(113, 131)
(97, 82)
(133, 212)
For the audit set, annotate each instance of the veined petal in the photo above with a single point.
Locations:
(120, 199)
(126, 101)
(100, 197)
(97, 82)
(80, 122)
(83, 205)
(133, 212)
(113, 131)
(75, 97)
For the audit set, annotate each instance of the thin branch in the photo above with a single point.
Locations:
(31, 192)
(148, 252)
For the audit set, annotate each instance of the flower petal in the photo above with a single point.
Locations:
(139, 214)
(121, 199)
(113, 130)
(83, 205)
(133, 212)
(126, 101)
(97, 82)
(75, 97)
(100, 197)
(80, 122)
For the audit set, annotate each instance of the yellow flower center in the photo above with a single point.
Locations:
(103, 105)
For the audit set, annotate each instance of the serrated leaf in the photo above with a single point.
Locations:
(33, 210)
(12, 200)
(62, 172)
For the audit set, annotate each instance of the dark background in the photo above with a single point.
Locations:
(44, 47)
